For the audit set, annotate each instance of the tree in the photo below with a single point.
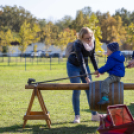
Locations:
(130, 34)
(42, 23)
(96, 29)
(65, 37)
(64, 23)
(35, 48)
(27, 35)
(14, 17)
(6, 38)
(35, 33)
(120, 31)
(124, 14)
(87, 11)
(79, 21)
(50, 31)
(112, 29)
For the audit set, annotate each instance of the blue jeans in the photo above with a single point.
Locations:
(73, 70)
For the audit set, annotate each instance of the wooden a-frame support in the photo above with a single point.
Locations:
(35, 115)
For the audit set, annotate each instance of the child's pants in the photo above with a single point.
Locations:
(106, 82)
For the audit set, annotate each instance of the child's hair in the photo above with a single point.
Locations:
(84, 30)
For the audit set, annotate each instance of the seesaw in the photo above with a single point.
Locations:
(116, 96)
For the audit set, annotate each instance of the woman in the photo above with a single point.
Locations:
(77, 64)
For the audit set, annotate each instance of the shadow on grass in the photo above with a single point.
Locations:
(43, 129)
(99, 111)
(131, 108)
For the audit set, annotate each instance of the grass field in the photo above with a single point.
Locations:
(14, 99)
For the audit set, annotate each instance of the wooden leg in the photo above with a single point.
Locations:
(29, 107)
(31, 103)
(35, 115)
(24, 124)
(41, 97)
(48, 123)
(42, 104)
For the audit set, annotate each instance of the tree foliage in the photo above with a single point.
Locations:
(27, 35)
(25, 28)
(112, 29)
(6, 38)
(65, 37)
(92, 24)
(14, 17)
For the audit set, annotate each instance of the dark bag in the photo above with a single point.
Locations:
(69, 48)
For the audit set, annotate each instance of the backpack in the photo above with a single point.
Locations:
(69, 48)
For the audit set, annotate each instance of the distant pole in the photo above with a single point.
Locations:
(58, 58)
(8, 60)
(25, 61)
(32, 60)
(50, 61)
(37, 60)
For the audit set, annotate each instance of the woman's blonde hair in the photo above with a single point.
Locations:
(84, 30)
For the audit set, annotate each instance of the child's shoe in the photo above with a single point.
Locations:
(104, 100)
(77, 119)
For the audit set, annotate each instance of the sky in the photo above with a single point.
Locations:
(56, 9)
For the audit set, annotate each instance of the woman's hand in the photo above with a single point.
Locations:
(87, 80)
(130, 64)
(97, 73)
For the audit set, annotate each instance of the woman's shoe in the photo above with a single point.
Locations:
(77, 119)
(95, 117)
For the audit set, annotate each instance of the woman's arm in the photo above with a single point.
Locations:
(79, 55)
(131, 63)
(133, 55)
(93, 59)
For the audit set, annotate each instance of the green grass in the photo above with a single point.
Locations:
(14, 100)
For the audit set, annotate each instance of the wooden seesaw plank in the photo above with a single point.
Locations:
(70, 86)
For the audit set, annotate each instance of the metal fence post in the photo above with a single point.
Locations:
(50, 61)
(25, 61)
(8, 60)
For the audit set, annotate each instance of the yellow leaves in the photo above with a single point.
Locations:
(80, 19)
(48, 41)
(65, 37)
(36, 28)
(50, 32)
(6, 38)
(27, 35)
(130, 34)
(97, 31)
(53, 36)
(112, 29)
(35, 48)
(47, 29)
(98, 45)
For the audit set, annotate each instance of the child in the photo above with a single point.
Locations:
(114, 66)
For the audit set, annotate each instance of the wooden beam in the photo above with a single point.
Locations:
(71, 86)
(36, 117)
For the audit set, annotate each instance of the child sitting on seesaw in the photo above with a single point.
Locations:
(114, 66)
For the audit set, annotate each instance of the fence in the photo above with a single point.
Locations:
(48, 62)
